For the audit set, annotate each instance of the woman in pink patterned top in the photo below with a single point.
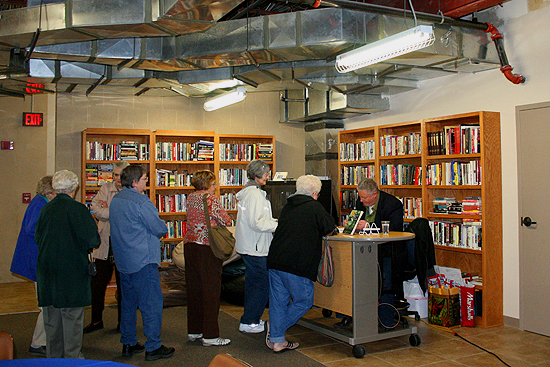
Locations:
(203, 271)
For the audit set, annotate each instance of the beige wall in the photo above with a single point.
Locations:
(526, 42)
(22, 167)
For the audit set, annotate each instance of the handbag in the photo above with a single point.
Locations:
(325, 274)
(221, 239)
(178, 255)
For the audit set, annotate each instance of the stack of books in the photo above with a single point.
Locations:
(104, 173)
(91, 175)
(264, 152)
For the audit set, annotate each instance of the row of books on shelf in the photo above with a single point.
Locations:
(245, 152)
(354, 175)
(167, 178)
(232, 177)
(392, 145)
(166, 251)
(400, 174)
(176, 203)
(465, 234)
(454, 173)
(98, 174)
(449, 205)
(461, 139)
(176, 228)
(201, 150)
(362, 151)
(412, 207)
(229, 201)
(125, 150)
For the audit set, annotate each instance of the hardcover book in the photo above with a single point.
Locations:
(353, 220)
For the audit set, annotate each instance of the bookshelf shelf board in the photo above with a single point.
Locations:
(458, 249)
(400, 186)
(172, 239)
(453, 216)
(231, 187)
(174, 188)
(92, 188)
(347, 187)
(358, 163)
(454, 187)
(400, 157)
(454, 157)
(167, 214)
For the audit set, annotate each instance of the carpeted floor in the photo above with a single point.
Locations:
(105, 344)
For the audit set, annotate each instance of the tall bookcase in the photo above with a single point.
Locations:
(398, 149)
(171, 157)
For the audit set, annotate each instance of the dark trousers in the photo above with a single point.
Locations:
(203, 278)
(99, 286)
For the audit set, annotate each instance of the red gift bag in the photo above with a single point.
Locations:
(467, 305)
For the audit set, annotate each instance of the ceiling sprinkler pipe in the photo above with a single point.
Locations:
(504, 65)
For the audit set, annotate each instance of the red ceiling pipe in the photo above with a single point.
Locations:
(504, 65)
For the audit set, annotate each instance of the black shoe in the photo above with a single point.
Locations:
(130, 350)
(40, 350)
(346, 323)
(93, 327)
(161, 352)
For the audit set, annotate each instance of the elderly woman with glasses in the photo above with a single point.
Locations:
(253, 234)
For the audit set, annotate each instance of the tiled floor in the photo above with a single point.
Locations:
(438, 348)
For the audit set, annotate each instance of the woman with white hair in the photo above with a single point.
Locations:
(293, 260)
(65, 233)
(253, 234)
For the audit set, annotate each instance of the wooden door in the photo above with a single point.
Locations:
(533, 136)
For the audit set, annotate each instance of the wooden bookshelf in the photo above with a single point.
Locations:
(485, 262)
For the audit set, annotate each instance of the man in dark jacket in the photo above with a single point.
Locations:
(65, 233)
(378, 206)
(293, 260)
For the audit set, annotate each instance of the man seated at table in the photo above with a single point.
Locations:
(377, 206)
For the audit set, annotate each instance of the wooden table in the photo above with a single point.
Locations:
(355, 290)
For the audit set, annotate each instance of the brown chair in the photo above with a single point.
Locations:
(6, 346)
(226, 360)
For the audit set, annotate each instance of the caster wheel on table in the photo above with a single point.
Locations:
(358, 351)
(327, 313)
(417, 317)
(414, 339)
(405, 323)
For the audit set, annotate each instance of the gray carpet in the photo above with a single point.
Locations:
(105, 344)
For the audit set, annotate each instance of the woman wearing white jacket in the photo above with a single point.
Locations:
(253, 234)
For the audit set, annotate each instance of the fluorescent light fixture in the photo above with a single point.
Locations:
(399, 44)
(225, 84)
(225, 99)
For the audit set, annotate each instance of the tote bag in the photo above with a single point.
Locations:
(221, 239)
(325, 275)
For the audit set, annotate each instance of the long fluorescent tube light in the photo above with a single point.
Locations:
(399, 44)
(225, 99)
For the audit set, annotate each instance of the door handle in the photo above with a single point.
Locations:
(527, 221)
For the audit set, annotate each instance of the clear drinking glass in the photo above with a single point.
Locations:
(385, 227)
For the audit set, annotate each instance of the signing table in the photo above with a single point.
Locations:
(355, 291)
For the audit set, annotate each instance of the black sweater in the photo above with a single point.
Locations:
(297, 243)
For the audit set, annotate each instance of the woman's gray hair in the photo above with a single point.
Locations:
(256, 169)
(308, 184)
(64, 182)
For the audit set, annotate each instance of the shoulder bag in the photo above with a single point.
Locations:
(221, 239)
(325, 275)
(178, 255)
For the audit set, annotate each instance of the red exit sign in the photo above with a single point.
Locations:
(31, 88)
(33, 119)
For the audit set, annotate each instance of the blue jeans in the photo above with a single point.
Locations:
(290, 297)
(141, 289)
(256, 288)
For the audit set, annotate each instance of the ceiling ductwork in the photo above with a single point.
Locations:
(148, 45)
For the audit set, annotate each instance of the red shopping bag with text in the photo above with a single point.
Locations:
(467, 305)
